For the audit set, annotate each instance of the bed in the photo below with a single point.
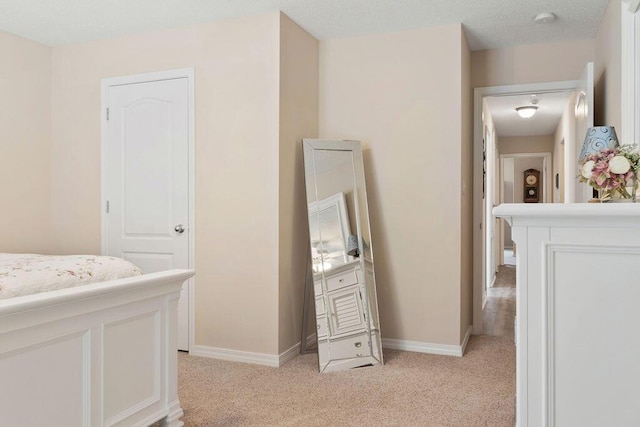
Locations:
(93, 354)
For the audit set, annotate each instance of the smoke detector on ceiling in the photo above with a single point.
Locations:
(545, 18)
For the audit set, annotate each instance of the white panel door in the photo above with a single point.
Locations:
(575, 190)
(147, 179)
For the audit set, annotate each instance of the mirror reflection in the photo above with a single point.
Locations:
(343, 278)
(328, 231)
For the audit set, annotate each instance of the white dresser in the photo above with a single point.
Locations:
(578, 313)
(342, 313)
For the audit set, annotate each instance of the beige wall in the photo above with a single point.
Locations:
(298, 119)
(608, 68)
(466, 244)
(565, 132)
(407, 113)
(526, 144)
(237, 163)
(25, 145)
(251, 109)
(534, 63)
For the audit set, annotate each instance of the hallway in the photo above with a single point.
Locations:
(500, 310)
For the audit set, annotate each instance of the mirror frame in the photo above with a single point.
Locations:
(319, 285)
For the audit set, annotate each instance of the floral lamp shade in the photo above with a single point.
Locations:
(606, 166)
(599, 138)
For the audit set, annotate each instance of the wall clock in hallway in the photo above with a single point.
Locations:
(531, 186)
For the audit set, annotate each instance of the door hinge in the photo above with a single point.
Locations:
(107, 113)
(107, 206)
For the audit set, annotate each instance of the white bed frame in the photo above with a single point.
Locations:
(96, 355)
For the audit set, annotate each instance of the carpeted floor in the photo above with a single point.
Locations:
(411, 389)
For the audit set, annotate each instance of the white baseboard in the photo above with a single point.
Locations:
(295, 350)
(288, 354)
(263, 359)
(236, 355)
(429, 348)
(465, 341)
(276, 361)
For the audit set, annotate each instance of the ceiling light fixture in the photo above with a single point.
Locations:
(545, 18)
(527, 111)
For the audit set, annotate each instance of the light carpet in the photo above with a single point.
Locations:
(411, 389)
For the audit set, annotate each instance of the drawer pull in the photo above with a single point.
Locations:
(358, 344)
(341, 280)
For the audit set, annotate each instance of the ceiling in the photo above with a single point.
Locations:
(507, 123)
(488, 24)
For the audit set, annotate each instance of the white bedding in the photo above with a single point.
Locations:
(25, 274)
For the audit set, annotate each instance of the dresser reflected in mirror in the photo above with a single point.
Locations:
(341, 277)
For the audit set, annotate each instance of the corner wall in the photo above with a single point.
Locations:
(466, 244)
(298, 120)
(25, 145)
(237, 155)
(401, 95)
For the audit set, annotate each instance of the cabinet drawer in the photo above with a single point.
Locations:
(341, 280)
(346, 348)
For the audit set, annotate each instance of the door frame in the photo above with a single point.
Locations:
(478, 96)
(179, 73)
(547, 190)
(548, 172)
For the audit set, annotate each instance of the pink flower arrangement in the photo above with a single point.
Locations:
(611, 171)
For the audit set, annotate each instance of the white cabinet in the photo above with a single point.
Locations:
(339, 304)
(342, 318)
(577, 304)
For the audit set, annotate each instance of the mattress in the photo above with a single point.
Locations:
(26, 274)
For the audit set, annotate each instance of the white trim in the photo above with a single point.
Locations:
(250, 357)
(479, 94)
(548, 333)
(272, 360)
(630, 72)
(466, 338)
(189, 74)
(428, 348)
(289, 354)
(549, 311)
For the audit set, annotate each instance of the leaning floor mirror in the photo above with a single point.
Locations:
(341, 277)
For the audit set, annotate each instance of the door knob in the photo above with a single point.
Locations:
(179, 228)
